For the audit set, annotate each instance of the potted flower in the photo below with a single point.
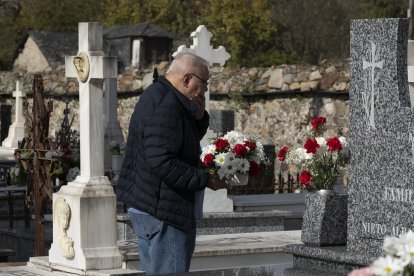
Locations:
(320, 161)
(233, 157)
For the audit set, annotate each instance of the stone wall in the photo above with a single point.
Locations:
(273, 104)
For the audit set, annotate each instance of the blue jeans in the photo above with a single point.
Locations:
(162, 248)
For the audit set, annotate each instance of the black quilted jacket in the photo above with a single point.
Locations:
(161, 173)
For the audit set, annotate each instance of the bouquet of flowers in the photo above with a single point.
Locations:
(398, 259)
(232, 154)
(320, 159)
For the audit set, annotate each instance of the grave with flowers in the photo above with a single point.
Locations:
(380, 201)
(319, 162)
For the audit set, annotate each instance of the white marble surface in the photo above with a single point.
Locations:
(229, 244)
(245, 243)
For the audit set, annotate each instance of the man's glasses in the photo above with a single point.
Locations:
(203, 81)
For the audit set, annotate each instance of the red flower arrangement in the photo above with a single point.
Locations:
(320, 159)
(233, 153)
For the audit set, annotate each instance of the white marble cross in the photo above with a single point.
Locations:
(16, 130)
(91, 67)
(213, 201)
(202, 48)
(90, 231)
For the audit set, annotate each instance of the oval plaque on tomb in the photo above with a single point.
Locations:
(81, 62)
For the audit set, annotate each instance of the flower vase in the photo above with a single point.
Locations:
(116, 166)
(325, 218)
(239, 179)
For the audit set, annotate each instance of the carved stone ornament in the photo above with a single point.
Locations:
(81, 62)
(61, 218)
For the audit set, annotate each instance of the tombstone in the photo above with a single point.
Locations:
(381, 189)
(382, 146)
(113, 131)
(214, 201)
(85, 234)
(16, 130)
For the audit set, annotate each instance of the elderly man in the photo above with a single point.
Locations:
(160, 178)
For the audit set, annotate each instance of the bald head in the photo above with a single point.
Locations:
(185, 63)
(189, 74)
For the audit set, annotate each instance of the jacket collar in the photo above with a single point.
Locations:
(186, 103)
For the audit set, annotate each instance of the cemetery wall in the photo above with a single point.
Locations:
(273, 104)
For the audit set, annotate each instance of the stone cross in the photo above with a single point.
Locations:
(16, 130)
(91, 69)
(214, 201)
(202, 48)
(381, 187)
(90, 231)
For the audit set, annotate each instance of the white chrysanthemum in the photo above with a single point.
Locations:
(230, 168)
(206, 150)
(243, 165)
(230, 157)
(390, 245)
(387, 266)
(220, 159)
(234, 138)
(405, 247)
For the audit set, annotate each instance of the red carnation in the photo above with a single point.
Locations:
(317, 122)
(305, 178)
(282, 153)
(221, 144)
(334, 144)
(311, 146)
(250, 145)
(254, 168)
(240, 150)
(208, 159)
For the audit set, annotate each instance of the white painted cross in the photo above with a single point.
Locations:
(202, 48)
(91, 67)
(213, 201)
(16, 130)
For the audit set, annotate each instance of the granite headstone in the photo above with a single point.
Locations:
(5, 120)
(381, 192)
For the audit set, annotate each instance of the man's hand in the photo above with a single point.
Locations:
(215, 183)
(200, 101)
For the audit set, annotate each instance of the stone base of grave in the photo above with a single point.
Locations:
(16, 133)
(42, 265)
(329, 260)
(92, 205)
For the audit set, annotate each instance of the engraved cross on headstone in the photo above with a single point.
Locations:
(91, 67)
(371, 64)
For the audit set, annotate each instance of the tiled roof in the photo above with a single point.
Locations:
(55, 45)
(144, 29)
